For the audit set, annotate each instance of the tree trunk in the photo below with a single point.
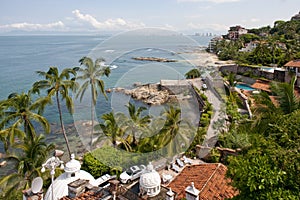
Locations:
(27, 130)
(92, 118)
(62, 124)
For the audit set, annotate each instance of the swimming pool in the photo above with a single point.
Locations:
(267, 69)
(243, 86)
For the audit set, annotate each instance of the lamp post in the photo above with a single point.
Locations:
(52, 163)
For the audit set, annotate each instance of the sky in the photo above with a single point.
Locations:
(103, 16)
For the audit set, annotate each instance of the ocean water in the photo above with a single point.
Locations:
(22, 56)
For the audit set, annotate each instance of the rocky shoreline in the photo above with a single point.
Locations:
(151, 94)
(154, 59)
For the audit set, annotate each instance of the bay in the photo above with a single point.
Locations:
(22, 56)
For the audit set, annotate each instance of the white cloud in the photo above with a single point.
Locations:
(214, 1)
(33, 27)
(252, 20)
(255, 20)
(196, 16)
(215, 27)
(170, 27)
(109, 24)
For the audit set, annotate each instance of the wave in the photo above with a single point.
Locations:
(113, 66)
(109, 51)
(110, 66)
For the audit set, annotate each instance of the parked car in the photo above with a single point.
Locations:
(132, 173)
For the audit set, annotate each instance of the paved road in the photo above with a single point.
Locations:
(215, 99)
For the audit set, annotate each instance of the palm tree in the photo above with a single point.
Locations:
(268, 110)
(194, 73)
(149, 137)
(136, 121)
(232, 79)
(112, 128)
(176, 133)
(91, 75)
(58, 84)
(285, 95)
(33, 154)
(19, 110)
(171, 126)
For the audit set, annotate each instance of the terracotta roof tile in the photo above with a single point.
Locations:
(293, 63)
(261, 85)
(89, 195)
(208, 178)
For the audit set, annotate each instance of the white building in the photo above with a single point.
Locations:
(72, 173)
(150, 182)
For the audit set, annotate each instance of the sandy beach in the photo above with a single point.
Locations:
(205, 59)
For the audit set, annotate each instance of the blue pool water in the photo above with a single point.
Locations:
(244, 87)
(267, 69)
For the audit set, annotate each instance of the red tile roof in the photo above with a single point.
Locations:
(293, 63)
(262, 85)
(208, 178)
(89, 195)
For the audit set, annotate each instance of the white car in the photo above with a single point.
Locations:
(132, 173)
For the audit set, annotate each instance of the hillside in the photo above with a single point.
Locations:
(267, 45)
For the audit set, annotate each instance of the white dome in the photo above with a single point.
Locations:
(73, 165)
(72, 173)
(150, 181)
(60, 185)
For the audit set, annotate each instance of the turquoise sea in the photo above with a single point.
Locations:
(22, 56)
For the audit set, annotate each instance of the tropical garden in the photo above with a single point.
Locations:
(268, 161)
(274, 45)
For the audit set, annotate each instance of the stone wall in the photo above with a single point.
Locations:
(279, 75)
(229, 68)
(177, 89)
(254, 71)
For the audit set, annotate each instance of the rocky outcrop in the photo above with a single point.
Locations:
(154, 59)
(149, 94)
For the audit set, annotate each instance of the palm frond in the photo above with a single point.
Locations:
(82, 90)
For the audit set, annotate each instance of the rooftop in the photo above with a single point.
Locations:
(209, 179)
(293, 63)
(262, 85)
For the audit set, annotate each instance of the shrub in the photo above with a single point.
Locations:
(210, 113)
(94, 166)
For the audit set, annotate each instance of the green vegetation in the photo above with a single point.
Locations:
(21, 119)
(166, 135)
(268, 164)
(58, 84)
(193, 73)
(23, 146)
(27, 166)
(167, 130)
(136, 122)
(91, 74)
(206, 115)
(113, 129)
(276, 45)
(19, 110)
